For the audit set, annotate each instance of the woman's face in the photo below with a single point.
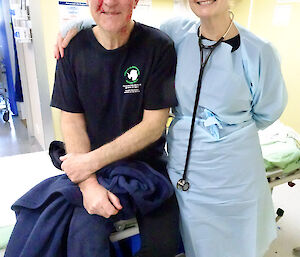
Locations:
(209, 8)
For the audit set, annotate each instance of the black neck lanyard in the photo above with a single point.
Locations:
(182, 183)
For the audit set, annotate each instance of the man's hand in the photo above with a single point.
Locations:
(77, 166)
(62, 42)
(97, 200)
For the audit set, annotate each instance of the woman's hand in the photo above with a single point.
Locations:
(62, 42)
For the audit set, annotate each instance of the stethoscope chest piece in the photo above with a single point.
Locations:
(183, 185)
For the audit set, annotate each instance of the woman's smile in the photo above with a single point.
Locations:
(206, 2)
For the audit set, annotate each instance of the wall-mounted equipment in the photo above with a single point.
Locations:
(20, 14)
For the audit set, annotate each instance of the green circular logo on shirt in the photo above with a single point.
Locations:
(132, 74)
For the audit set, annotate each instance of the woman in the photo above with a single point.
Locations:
(227, 211)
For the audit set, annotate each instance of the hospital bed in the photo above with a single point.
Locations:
(23, 172)
(26, 170)
(281, 151)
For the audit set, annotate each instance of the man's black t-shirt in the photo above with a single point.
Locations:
(113, 87)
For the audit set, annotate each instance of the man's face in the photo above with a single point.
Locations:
(112, 15)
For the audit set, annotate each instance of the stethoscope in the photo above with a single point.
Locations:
(182, 183)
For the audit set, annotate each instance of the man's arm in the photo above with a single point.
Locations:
(143, 134)
(74, 132)
(80, 166)
(96, 199)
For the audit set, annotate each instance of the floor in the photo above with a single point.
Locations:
(14, 140)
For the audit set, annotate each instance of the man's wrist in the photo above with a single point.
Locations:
(96, 160)
(92, 180)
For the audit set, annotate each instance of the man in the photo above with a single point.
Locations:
(114, 87)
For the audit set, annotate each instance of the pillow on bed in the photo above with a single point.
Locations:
(280, 147)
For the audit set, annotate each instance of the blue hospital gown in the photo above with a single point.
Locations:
(228, 210)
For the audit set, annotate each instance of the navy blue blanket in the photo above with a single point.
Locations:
(138, 185)
(46, 215)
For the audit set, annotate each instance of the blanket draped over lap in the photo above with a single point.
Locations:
(44, 214)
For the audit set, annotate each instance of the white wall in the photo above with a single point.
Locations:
(39, 46)
(33, 92)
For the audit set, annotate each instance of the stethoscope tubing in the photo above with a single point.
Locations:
(183, 184)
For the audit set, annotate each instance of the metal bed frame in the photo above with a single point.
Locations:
(277, 177)
(4, 104)
(3, 96)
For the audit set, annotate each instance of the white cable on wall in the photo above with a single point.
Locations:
(250, 14)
